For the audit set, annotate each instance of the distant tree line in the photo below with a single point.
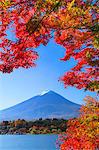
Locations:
(40, 126)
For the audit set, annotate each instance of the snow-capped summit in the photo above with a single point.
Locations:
(44, 92)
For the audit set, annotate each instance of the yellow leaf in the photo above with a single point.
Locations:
(5, 4)
(71, 4)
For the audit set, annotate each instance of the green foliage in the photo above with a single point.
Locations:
(51, 126)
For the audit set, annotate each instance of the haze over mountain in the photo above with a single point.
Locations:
(47, 105)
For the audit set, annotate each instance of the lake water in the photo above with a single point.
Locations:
(28, 142)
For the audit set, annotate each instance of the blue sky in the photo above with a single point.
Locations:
(22, 84)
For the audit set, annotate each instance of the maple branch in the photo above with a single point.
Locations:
(43, 18)
(40, 21)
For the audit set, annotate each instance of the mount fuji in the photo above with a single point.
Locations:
(46, 105)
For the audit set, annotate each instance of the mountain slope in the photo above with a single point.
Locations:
(48, 105)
